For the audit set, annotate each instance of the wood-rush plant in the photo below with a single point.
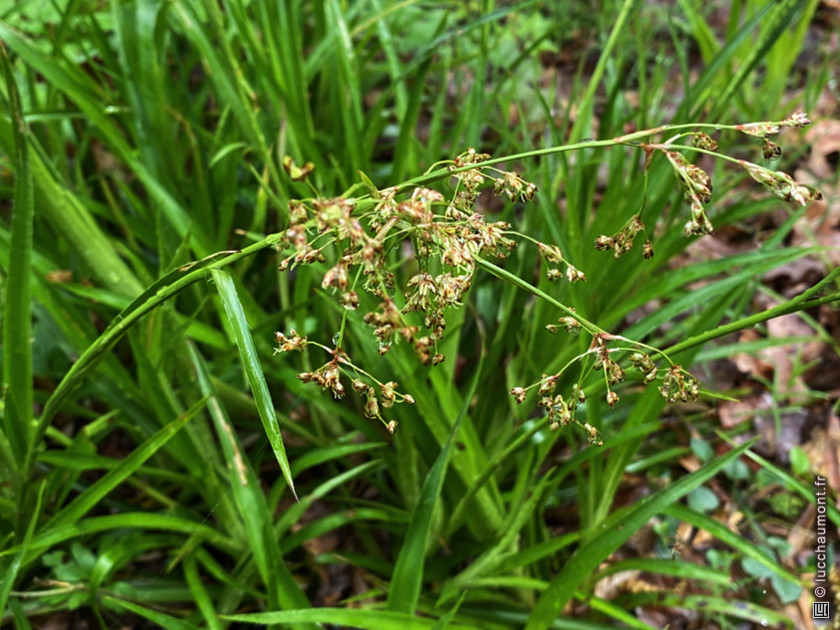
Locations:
(449, 240)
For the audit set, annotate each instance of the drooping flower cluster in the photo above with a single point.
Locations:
(697, 187)
(329, 377)
(677, 384)
(446, 235)
(622, 241)
(782, 185)
(559, 411)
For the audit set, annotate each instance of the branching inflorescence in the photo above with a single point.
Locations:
(449, 239)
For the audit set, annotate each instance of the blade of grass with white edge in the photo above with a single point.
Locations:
(584, 562)
(407, 579)
(253, 371)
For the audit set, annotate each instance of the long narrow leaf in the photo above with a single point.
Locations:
(590, 555)
(17, 320)
(253, 370)
(407, 579)
(93, 495)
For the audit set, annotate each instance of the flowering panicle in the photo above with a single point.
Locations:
(447, 236)
(444, 237)
(697, 187)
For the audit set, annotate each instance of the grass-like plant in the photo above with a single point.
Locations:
(160, 460)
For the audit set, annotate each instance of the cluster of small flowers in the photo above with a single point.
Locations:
(782, 185)
(512, 185)
(764, 129)
(551, 254)
(445, 235)
(622, 241)
(613, 372)
(559, 411)
(697, 186)
(679, 386)
(568, 322)
(328, 376)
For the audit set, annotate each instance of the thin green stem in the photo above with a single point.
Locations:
(783, 309)
(519, 282)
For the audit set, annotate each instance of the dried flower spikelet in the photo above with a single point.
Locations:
(771, 150)
(704, 141)
(336, 277)
(389, 394)
(592, 434)
(392, 426)
(547, 384)
(408, 399)
(550, 253)
(799, 119)
(782, 185)
(645, 365)
(359, 386)
(615, 373)
(759, 129)
(438, 359)
(679, 386)
(571, 325)
(578, 394)
(297, 212)
(512, 185)
(297, 173)
(350, 300)
(612, 398)
(292, 342)
(554, 274)
(574, 275)
(519, 394)
(647, 250)
(371, 406)
(332, 379)
(603, 243)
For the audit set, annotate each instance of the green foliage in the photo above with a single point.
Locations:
(160, 461)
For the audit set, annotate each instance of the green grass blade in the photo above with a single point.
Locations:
(342, 617)
(11, 570)
(161, 619)
(724, 534)
(17, 316)
(407, 579)
(202, 597)
(253, 370)
(93, 495)
(153, 297)
(591, 554)
(140, 520)
(251, 503)
(78, 87)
